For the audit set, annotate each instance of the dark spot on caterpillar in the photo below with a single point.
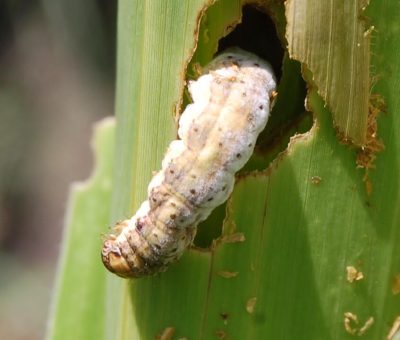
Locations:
(172, 216)
(193, 176)
(183, 238)
(157, 246)
(256, 64)
(224, 188)
(219, 129)
(139, 225)
(220, 144)
(181, 220)
(210, 199)
(155, 235)
(173, 250)
(196, 129)
(173, 204)
(192, 191)
(244, 94)
(238, 155)
(261, 107)
(131, 243)
(250, 145)
(229, 57)
(242, 81)
(171, 171)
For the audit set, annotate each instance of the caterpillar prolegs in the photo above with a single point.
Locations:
(218, 132)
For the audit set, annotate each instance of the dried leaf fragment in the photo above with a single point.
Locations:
(251, 304)
(351, 324)
(224, 317)
(350, 318)
(233, 238)
(396, 284)
(366, 156)
(367, 325)
(166, 334)
(316, 180)
(221, 334)
(395, 330)
(353, 274)
(227, 274)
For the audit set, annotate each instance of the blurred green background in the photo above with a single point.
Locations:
(57, 65)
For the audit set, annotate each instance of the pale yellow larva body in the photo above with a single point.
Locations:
(218, 131)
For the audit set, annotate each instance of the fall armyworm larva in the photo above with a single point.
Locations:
(218, 132)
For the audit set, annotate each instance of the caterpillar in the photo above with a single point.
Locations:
(218, 132)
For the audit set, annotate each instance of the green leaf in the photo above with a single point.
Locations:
(80, 300)
(333, 41)
(289, 231)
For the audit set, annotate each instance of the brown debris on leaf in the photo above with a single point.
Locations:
(227, 274)
(316, 180)
(233, 238)
(349, 319)
(224, 316)
(367, 325)
(221, 334)
(396, 284)
(166, 334)
(251, 305)
(351, 324)
(366, 156)
(353, 274)
(395, 329)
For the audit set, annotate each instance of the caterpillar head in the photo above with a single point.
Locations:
(113, 259)
(141, 248)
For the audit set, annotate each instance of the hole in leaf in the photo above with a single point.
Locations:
(257, 34)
